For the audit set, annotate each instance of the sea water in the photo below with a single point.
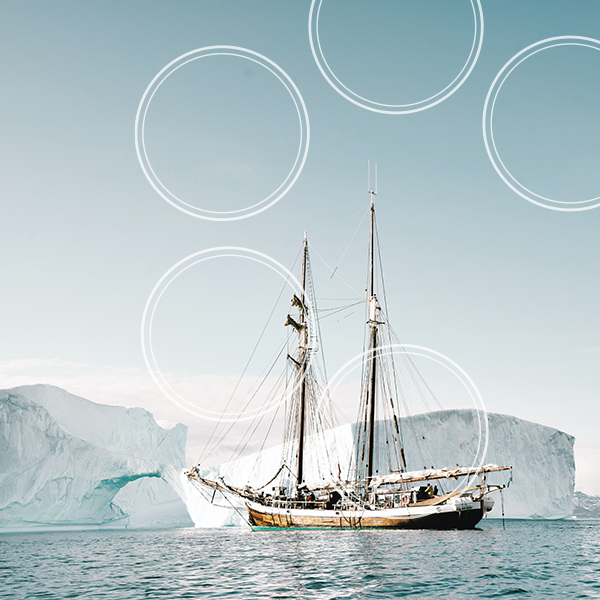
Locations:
(529, 559)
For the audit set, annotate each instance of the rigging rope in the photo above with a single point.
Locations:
(340, 278)
(213, 433)
(228, 425)
(218, 505)
(257, 421)
(334, 226)
(349, 243)
(263, 443)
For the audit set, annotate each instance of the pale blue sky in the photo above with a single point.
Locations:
(507, 289)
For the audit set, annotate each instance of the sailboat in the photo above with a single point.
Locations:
(368, 497)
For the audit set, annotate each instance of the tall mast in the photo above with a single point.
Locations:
(374, 324)
(302, 355)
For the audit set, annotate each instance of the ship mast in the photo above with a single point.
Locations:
(301, 327)
(374, 324)
(301, 363)
(303, 355)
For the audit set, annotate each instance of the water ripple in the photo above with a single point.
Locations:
(529, 559)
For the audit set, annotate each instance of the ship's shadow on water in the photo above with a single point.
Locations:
(531, 559)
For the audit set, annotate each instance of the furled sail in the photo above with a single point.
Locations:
(426, 474)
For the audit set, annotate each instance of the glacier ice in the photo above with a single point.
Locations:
(585, 506)
(130, 431)
(152, 502)
(69, 462)
(542, 460)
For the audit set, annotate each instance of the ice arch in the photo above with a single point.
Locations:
(64, 460)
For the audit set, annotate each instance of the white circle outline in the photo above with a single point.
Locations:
(491, 118)
(159, 79)
(467, 382)
(357, 99)
(152, 304)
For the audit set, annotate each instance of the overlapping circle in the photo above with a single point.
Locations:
(186, 206)
(488, 123)
(439, 358)
(150, 310)
(393, 109)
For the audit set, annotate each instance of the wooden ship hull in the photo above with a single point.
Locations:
(446, 516)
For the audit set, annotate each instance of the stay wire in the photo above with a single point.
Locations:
(230, 424)
(213, 433)
(337, 224)
(341, 279)
(256, 422)
(349, 244)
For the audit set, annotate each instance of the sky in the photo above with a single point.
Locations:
(507, 289)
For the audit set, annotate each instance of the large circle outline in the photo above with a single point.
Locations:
(491, 116)
(153, 87)
(148, 317)
(478, 33)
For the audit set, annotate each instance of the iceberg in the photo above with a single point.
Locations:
(67, 462)
(586, 506)
(541, 487)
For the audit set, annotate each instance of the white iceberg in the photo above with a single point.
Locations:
(68, 462)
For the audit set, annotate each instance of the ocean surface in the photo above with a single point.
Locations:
(528, 559)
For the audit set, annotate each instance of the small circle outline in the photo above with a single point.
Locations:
(140, 132)
(150, 309)
(478, 30)
(150, 164)
(491, 114)
(483, 422)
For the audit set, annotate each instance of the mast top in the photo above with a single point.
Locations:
(370, 190)
(371, 289)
